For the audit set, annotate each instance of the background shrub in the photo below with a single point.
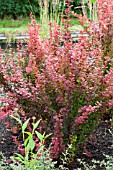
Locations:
(18, 9)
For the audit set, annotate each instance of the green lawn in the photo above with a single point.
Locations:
(14, 26)
(14, 23)
(11, 27)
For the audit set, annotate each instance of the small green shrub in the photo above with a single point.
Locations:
(106, 163)
(3, 163)
(18, 9)
(39, 160)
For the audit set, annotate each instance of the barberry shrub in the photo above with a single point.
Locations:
(67, 85)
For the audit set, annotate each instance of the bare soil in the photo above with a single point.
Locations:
(99, 144)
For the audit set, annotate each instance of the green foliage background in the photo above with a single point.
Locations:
(17, 9)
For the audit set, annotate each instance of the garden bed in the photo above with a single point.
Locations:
(99, 143)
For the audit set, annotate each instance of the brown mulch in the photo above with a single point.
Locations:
(7, 146)
(99, 144)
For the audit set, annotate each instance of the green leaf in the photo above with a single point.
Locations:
(29, 134)
(74, 139)
(31, 145)
(16, 110)
(19, 159)
(28, 138)
(35, 125)
(26, 141)
(92, 1)
(25, 124)
(20, 156)
(78, 80)
(39, 135)
(47, 136)
(17, 119)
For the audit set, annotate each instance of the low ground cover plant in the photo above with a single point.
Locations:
(67, 85)
(41, 159)
(106, 163)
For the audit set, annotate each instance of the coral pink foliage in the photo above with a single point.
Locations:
(61, 84)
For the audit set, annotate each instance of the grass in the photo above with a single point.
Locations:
(11, 26)
(17, 30)
(14, 26)
(75, 28)
(75, 25)
(14, 23)
(74, 21)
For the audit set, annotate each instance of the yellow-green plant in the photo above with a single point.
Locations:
(107, 163)
(50, 11)
(39, 160)
(92, 5)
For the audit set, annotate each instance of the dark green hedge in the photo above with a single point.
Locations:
(76, 3)
(21, 8)
(18, 8)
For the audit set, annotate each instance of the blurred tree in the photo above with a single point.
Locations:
(17, 9)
